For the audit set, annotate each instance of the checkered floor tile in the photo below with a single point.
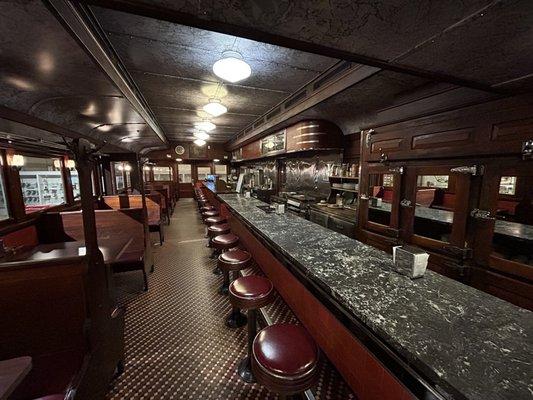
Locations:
(177, 345)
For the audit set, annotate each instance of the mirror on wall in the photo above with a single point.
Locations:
(381, 194)
(513, 227)
(434, 205)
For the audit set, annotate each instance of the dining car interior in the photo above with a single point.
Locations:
(248, 200)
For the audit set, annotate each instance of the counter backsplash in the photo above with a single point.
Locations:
(309, 174)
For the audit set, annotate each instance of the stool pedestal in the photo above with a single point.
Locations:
(250, 292)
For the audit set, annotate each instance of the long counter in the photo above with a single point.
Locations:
(461, 342)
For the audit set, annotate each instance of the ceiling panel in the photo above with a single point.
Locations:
(172, 66)
(493, 48)
(44, 73)
(381, 29)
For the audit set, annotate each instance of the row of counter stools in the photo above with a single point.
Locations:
(282, 357)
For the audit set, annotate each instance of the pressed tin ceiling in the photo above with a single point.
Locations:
(172, 66)
(45, 73)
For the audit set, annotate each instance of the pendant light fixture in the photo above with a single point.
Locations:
(201, 135)
(231, 67)
(215, 108)
(199, 142)
(205, 125)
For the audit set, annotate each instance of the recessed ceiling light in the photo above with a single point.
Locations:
(169, 156)
(178, 159)
(216, 160)
(199, 142)
(231, 67)
(207, 126)
(215, 108)
(201, 135)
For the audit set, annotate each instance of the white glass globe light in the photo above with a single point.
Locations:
(231, 67)
(207, 126)
(215, 108)
(199, 142)
(201, 135)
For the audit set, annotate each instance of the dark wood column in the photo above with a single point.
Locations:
(103, 334)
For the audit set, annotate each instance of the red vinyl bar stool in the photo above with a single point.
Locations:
(207, 208)
(215, 220)
(232, 261)
(216, 230)
(250, 292)
(223, 243)
(285, 359)
(207, 214)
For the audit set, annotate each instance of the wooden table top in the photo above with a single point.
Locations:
(12, 372)
(112, 251)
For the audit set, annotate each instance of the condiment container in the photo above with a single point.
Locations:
(410, 261)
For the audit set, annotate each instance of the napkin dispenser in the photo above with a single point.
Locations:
(410, 261)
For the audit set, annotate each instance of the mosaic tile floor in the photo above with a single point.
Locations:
(177, 346)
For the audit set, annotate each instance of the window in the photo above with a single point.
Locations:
(184, 172)
(221, 171)
(4, 211)
(119, 176)
(162, 173)
(203, 172)
(146, 173)
(74, 178)
(42, 183)
(508, 185)
(433, 181)
(388, 180)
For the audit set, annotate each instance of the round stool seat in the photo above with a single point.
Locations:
(285, 359)
(212, 213)
(226, 241)
(215, 220)
(218, 229)
(251, 292)
(235, 260)
(207, 208)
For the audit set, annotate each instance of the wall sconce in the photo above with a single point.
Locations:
(124, 167)
(146, 168)
(57, 163)
(17, 161)
(71, 164)
(216, 160)
(179, 159)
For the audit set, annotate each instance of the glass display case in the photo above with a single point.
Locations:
(75, 180)
(41, 189)
(4, 211)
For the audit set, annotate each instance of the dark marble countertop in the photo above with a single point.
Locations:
(458, 337)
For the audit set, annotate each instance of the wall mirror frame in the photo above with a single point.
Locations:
(501, 222)
(436, 211)
(393, 200)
